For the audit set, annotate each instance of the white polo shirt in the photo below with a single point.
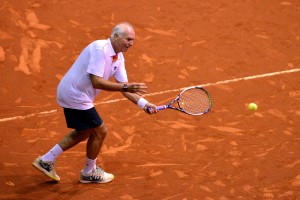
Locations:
(75, 90)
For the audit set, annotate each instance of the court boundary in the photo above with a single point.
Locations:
(162, 92)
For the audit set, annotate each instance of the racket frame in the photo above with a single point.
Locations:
(169, 106)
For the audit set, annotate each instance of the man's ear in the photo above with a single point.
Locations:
(116, 36)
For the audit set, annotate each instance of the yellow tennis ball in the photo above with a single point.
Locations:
(252, 106)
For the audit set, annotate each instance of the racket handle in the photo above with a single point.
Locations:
(158, 108)
(161, 107)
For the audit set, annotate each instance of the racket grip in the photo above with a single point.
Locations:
(158, 108)
(161, 107)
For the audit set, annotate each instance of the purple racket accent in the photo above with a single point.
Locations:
(158, 108)
(161, 107)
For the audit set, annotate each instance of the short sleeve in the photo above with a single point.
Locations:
(97, 62)
(121, 74)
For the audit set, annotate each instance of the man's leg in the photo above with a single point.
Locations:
(74, 138)
(95, 141)
(92, 173)
(66, 143)
(93, 147)
(46, 162)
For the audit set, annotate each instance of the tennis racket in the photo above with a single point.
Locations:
(193, 101)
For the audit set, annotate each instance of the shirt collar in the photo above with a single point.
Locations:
(113, 54)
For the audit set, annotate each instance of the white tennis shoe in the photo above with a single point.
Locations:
(46, 167)
(96, 176)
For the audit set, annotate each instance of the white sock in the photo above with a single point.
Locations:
(52, 154)
(89, 165)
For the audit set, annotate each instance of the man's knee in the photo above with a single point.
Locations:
(100, 131)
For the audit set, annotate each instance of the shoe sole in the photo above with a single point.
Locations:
(37, 166)
(84, 181)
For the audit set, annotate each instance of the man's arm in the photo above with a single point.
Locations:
(133, 91)
(100, 83)
(137, 99)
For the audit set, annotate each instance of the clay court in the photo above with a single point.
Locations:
(241, 51)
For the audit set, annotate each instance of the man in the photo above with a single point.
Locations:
(76, 92)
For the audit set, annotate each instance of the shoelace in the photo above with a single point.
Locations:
(98, 174)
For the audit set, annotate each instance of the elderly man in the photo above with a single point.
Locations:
(90, 74)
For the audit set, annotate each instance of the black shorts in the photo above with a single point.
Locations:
(82, 119)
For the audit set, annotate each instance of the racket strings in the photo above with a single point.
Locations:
(195, 101)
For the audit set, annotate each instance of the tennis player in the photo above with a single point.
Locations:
(90, 74)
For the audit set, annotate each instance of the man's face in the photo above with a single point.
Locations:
(124, 41)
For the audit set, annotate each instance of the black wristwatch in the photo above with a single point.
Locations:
(125, 88)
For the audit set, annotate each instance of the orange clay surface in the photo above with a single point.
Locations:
(229, 153)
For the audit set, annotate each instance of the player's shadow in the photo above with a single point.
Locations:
(37, 188)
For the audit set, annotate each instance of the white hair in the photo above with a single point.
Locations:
(121, 28)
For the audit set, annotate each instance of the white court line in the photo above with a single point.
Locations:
(27, 116)
(163, 92)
